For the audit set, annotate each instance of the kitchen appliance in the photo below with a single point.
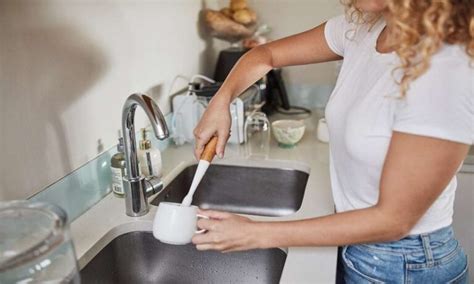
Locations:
(226, 61)
(272, 84)
(188, 109)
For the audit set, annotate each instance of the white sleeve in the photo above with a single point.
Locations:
(440, 104)
(335, 34)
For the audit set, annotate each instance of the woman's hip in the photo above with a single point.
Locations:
(435, 257)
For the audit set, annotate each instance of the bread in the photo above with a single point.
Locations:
(245, 17)
(227, 11)
(253, 15)
(242, 16)
(214, 18)
(236, 5)
(223, 27)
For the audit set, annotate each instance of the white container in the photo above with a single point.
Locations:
(149, 158)
(175, 223)
(150, 162)
(288, 132)
(323, 131)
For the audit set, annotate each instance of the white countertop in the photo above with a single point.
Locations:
(106, 220)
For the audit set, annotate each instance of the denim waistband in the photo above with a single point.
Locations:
(440, 235)
(413, 243)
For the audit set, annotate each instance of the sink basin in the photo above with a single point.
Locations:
(137, 257)
(238, 189)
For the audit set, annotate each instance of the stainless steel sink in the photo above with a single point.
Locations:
(139, 258)
(238, 189)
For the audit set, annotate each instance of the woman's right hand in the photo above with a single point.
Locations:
(216, 121)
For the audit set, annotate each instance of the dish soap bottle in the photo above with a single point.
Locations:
(117, 165)
(149, 157)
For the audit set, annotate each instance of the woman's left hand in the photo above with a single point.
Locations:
(226, 232)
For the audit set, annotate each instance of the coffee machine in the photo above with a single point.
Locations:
(272, 85)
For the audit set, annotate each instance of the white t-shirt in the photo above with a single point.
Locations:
(365, 107)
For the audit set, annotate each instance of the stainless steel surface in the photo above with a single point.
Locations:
(247, 190)
(135, 185)
(139, 258)
(154, 185)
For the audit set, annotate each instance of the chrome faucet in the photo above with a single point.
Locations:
(137, 188)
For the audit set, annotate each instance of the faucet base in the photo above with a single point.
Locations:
(135, 196)
(137, 192)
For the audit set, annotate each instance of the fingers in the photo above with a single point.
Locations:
(232, 249)
(219, 215)
(209, 241)
(202, 239)
(210, 247)
(222, 137)
(208, 238)
(207, 224)
(198, 152)
(201, 139)
(204, 247)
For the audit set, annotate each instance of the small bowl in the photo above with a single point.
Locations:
(288, 132)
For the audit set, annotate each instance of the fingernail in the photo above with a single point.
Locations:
(220, 155)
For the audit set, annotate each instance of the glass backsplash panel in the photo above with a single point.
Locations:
(84, 187)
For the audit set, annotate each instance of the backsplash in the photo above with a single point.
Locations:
(309, 96)
(84, 187)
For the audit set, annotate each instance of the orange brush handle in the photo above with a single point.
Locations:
(210, 150)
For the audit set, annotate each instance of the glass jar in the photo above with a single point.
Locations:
(35, 246)
(257, 135)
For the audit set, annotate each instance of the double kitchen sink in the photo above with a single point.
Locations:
(137, 257)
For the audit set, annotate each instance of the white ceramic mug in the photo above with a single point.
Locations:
(323, 131)
(176, 224)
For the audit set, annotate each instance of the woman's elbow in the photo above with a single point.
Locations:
(264, 55)
(395, 228)
(399, 232)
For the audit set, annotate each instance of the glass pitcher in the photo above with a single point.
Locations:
(35, 246)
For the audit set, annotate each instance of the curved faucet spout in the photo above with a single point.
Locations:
(135, 194)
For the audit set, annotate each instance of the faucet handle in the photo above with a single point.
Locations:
(154, 185)
(209, 150)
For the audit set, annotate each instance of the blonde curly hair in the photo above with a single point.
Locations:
(421, 28)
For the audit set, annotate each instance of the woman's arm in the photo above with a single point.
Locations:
(416, 171)
(304, 48)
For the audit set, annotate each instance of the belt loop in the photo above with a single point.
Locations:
(425, 239)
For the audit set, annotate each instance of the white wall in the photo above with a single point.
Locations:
(66, 67)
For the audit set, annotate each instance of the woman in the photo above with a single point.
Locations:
(401, 119)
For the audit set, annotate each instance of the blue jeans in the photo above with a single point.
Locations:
(435, 257)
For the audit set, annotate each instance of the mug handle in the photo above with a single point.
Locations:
(203, 230)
